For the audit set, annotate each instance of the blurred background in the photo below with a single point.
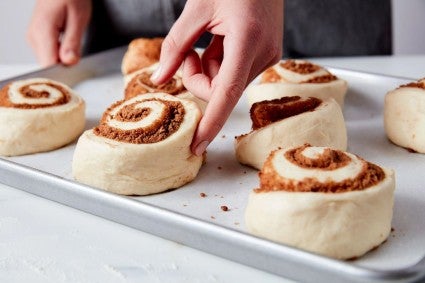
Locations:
(408, 29)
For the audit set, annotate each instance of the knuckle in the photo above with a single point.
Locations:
(169, 44)
(255, 30)
(234, 91)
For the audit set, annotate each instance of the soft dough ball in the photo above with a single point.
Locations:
(38, 115)
(322, 200)
(297, 77)
(290, 121)
(141, 53)
(140, 147)
(404, 116)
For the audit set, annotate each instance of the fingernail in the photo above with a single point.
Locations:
(156, 74)
(70, 56)
(201, 147)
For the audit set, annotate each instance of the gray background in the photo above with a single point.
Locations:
(408, 29)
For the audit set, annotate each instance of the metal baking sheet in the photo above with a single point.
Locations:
(184, 216)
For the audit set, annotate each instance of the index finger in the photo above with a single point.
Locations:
(226, 88)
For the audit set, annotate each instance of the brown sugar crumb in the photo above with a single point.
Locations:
(322, 79)
(169, 122)
(224, 208)
(141, 83)
(300, 67)
(264, 113)
(28, 92)
(369, 175)
(202, 195)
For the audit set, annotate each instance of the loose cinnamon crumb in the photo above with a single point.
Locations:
(223, 136)
(224, 208)
(212, 217)
(202, 195)
(219, 168)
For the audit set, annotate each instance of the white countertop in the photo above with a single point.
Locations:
(42, 241)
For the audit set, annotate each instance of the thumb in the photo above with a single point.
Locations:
(76, 22)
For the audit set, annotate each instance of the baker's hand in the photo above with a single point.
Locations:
(56, 30)
(247, 39)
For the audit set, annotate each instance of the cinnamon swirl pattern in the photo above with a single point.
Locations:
(404, 116)
(38, 115)
(141, 146)
(297, 77)
(290, 121)
(322, 200)
(139, 82)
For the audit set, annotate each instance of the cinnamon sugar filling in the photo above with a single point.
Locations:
(264, 113)
(419, 84)
(369, 175)
(272, 76)
(321, 79)
(28, 92)
(142, 83)
(162, 127)
(300, 68)
(328, 160)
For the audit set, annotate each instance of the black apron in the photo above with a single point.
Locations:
(313, 28)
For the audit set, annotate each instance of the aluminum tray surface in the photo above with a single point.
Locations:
(184, 216)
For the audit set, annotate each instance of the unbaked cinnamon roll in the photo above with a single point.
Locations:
(322, 200)
(141, 53)
(139, 82)
(140, 147)
(290, 121)
(404, 116)
(297, 77)
(38, 115)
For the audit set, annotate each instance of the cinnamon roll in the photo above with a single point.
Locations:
(38, 115)
(322, 200)
(139, 82)
(140, 147)
(297, 77)
(141, 53)
(404, 116)
(290, 121)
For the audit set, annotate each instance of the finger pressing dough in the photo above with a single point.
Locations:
(140, 147)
